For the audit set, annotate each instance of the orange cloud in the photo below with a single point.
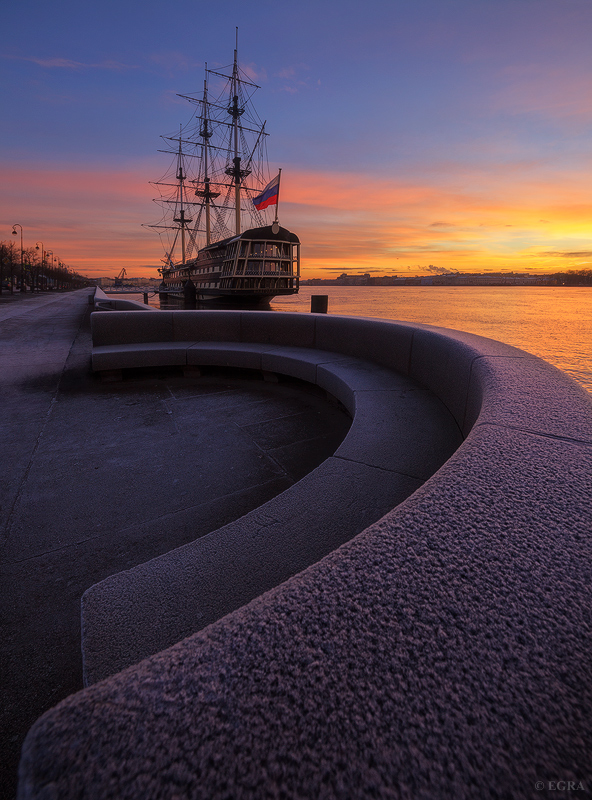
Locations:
(494, 219)
(553, 92)
(90, 218)
(509, 217)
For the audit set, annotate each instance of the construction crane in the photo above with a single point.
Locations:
(119, 278)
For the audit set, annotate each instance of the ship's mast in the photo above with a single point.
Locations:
(226, 141)
(182, 220)
(206, 133)
(235, 111)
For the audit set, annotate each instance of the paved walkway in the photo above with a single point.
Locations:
(97, 477)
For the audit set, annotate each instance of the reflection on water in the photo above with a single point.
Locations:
(552, 322)
(172, 304)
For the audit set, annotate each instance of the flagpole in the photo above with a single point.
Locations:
(277, 205)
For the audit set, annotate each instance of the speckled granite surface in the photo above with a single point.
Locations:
(444, 652)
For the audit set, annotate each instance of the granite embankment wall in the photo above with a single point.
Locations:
(105, 302)
(441, 652)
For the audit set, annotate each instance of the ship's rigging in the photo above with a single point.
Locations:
(219, 165)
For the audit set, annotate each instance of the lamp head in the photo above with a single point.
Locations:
(14, 231)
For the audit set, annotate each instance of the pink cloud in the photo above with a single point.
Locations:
(173, 62)
(66, 63)
(294, 77)
(93, 218)
(89, 217)
(554, 92)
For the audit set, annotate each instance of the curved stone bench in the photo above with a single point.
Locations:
(400, 435)
(442, 652)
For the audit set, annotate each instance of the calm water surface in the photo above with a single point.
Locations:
(553, 322)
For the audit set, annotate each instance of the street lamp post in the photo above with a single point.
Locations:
(16, 225)
(47, 253)
(42, 260)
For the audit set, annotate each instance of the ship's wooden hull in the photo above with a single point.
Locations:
(247, 269)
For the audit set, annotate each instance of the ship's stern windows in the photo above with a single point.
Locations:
(272, 250)
(253, 267)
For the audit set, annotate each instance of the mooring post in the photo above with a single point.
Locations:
(319, 303)
(145, 298)
(189, 294)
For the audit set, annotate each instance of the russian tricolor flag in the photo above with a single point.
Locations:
(269, 196)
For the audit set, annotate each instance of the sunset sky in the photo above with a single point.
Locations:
(412, 137)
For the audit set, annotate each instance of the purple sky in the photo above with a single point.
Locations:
(450, 133)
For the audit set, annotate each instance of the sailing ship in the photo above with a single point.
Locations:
(219, 241)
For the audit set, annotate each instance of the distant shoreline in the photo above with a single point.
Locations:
(457, 279)
(454, 280)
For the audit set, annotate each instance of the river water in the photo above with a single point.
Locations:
(553, 322)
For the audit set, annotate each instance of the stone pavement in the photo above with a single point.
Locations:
(98, 477)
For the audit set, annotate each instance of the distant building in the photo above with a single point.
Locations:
(450, 279)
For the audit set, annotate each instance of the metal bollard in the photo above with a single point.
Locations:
(319, 303)
(189, 294)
